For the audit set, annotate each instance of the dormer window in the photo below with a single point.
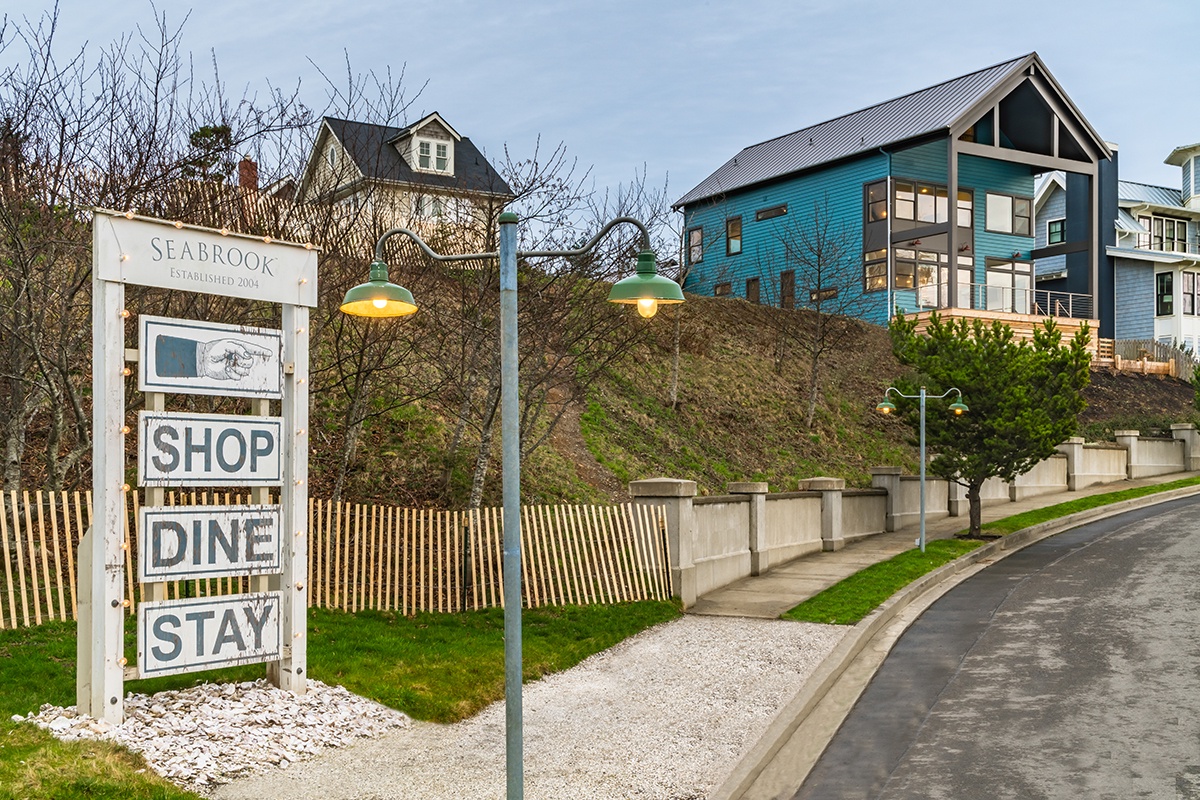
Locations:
(434, 155)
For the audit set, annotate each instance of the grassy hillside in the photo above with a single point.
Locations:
(739, 416)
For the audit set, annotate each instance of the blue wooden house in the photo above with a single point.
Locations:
(1152, 241)
(922, 202)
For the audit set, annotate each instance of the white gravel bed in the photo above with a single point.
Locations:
(665, 715)
(212, 733)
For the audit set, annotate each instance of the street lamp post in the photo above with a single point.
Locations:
(379, 297)
(886, 407)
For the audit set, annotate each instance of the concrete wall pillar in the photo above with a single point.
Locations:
(1073, 449)
(1129, 440)
(956, 499)
(676, 496)
(760, 556)
(832, 537)
(888, 478)
(1186, 432)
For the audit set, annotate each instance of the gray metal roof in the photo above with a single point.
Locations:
(369, 145)
(1131, 192)
(1126, 222)
(923, 112)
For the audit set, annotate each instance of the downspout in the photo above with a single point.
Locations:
(887, 312)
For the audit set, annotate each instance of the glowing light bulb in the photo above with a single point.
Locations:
(379, 302)
(647, 307)
(178, 224)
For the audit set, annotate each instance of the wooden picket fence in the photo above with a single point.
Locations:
(363, 556)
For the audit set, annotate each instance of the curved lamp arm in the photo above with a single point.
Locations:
(587, 246)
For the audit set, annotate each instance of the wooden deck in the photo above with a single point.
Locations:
(1022, 324)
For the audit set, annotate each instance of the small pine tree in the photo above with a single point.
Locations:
(1024, 396)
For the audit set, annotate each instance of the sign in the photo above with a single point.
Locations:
(208, 450)
(207, 633)
(189, 542)
(189, 357)
(148, 252)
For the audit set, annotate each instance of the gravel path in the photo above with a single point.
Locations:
(664, 715)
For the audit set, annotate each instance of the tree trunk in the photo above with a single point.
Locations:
(484, 455)
(975, 506)
(675, 361)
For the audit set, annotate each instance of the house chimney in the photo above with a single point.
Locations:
(247, 173)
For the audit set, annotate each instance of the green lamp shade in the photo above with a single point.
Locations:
(958, 407)
(379, 297)
(885, 407)
(646, 288)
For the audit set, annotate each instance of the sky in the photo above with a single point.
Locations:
(675, 88)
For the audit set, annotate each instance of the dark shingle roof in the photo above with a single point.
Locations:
(368, 145)
(919, 113)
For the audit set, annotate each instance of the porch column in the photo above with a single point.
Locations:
(952, 233)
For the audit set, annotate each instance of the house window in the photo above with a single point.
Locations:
(875, 270)
(1164, 294)
(1009, 286)
(752, 292)
(966, 209)
(1009, 214)
(1166, 234)
(695, 245)
(787, 289)
(876, 201)
(331, 155)
(733, 236)
(428, 207)
(434, 156)
(923, 203)
(770, 213)
(1056, 231)
(1188, 298)
(723, 289)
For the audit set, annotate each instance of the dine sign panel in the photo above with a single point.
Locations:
(190, 542)
(207, 633)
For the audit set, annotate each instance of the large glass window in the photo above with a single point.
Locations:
(1188, 296)
(733, 236)
(1009, 286)
(695, 245)
(1164, 294)
(1008, 214)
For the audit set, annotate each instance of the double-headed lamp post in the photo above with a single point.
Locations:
(379, 297)
(958, 408)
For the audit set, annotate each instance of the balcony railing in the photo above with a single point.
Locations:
(1157, 244)
(1035, 302)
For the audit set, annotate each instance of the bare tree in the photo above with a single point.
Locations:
(815, 264)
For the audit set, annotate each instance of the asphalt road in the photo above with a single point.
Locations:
(1070, 669)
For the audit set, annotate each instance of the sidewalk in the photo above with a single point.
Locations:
(768, 595)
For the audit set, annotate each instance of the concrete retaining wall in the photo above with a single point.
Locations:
(714, 541)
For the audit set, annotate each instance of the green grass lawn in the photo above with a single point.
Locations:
(439, 667)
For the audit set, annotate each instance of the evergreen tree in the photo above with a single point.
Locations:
(1024, 396)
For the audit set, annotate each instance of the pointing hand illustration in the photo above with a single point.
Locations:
(227, 359)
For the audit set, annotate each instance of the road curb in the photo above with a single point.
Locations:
(834, 666)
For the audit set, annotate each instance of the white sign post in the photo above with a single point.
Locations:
(193, 357)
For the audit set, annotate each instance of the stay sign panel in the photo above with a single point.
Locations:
(209, 633)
